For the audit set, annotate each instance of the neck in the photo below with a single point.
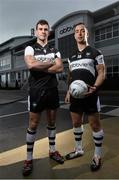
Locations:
(82, 46)
(42, 42)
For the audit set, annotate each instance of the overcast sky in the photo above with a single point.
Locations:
(17, 17)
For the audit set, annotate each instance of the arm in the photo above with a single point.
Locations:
(57, 67)
(99, 80)
(101, 75)
(34, 64)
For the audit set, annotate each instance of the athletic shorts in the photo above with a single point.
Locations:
(41, 100)
(90, 104)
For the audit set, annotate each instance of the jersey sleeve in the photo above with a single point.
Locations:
(29, 51)
(99, 58)
(57, 54)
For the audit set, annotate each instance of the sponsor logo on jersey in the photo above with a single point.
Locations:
(83, 64)
(45, 57)
(37, 49)
(88, 54)
(79, 56)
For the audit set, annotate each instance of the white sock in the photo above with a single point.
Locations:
(30, 139)
(98, 139)
(51, 135)
(78, 131)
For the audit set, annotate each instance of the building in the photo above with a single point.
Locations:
(103, 26)
(13, 70)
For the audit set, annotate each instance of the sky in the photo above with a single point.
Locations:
(17, 17)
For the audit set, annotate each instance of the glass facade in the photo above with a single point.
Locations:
(107, 32)
(112, 66)
(5, 62)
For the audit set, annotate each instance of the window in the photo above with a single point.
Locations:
(107, 32)
(112, 65)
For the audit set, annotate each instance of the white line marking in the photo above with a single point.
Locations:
(14, 114)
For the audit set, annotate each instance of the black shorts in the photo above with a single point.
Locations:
(90, 104)
(41, 100)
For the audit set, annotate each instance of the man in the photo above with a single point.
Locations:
(43, 62)
(86, 64)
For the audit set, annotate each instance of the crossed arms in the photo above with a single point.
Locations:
(47, 66)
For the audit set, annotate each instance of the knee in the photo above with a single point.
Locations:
(77, 124)
(33, 123)
(51, 123)
(95, 126)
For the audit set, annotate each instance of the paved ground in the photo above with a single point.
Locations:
(9, 96)
(11, 160)
(44, 168)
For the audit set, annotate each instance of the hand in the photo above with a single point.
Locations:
(91, 90)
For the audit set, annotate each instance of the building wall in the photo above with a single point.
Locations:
(103, 34)
(64, 32)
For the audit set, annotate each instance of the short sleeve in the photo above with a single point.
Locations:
(29, 51)
(99, 58)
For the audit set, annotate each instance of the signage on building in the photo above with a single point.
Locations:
(67, 29)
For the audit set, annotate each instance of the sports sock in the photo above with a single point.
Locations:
(98, 138)
(78, 131)
(51, 135)
(30, 138)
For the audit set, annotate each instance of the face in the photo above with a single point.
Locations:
(42, 32)
(81, 34)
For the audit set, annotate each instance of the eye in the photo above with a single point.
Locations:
(46, 29)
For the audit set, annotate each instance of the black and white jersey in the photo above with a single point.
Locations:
(82, 64)
(39, 79)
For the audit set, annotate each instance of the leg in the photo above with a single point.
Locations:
(51, 119)
(31, 132)
(30, 139)
(77, 120)
(78, 131)
(94, 120)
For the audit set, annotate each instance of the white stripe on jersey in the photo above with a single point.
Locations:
(44, 57)
(29, 51)
(83, 64)
(58, 54)
(100, 59)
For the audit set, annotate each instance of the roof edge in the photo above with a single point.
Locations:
(69, 15)
(13, 38)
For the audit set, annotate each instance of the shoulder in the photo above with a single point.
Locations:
(55, 51)
(29, 50)
(94, 51)
(97, 55)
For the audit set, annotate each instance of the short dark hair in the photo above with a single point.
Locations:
(80, 23)
(42, 22)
